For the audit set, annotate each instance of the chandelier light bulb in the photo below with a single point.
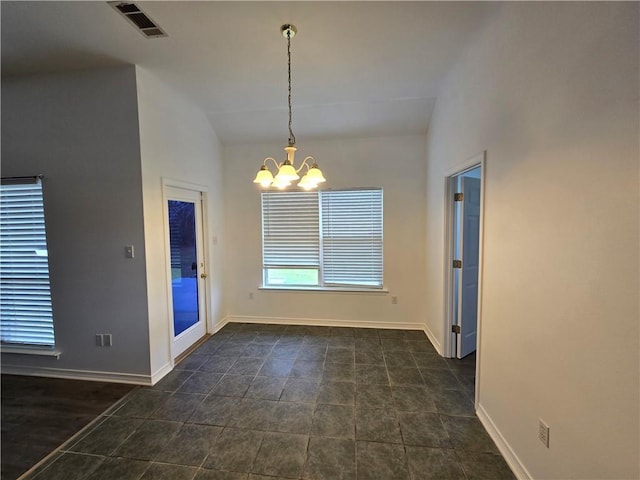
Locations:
(307, 184)
(281, 184)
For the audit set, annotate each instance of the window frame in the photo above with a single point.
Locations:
(322, 284)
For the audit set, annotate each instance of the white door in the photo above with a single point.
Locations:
(188, 275)
(468, 277)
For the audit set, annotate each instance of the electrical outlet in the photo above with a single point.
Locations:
(543, 433)
(108, 340)
(250, 295)
(394, 300)
(99, 340)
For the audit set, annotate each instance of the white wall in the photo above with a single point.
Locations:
(550, 91)
(394, 163)
(177, 143)
(80, 130)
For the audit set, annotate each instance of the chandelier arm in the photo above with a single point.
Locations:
(275, 162)
(304, 162)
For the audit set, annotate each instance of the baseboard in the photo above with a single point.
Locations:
(507, 452)
(323, 322)
(95, 376)
(433, 339)
(218, 326)
(160, 373)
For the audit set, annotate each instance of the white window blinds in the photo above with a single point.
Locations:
(25, 298)
(339, 232)
(352, 237)
(290, 229)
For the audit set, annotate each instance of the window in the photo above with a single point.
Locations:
(25, 298)
(327, 238)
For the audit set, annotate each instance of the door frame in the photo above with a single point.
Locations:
(203, 191)
(449, 339)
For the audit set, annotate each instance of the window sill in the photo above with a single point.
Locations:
(367, 291)
(38, 351)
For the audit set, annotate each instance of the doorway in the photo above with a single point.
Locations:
(464, 204)
(188, 276)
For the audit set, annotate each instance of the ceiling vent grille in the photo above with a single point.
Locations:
(139, 19)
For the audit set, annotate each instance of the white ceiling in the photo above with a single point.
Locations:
(359, 68)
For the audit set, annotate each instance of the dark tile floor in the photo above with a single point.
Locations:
(268, 402)
(39, 414)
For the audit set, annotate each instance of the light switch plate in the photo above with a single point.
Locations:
(543, 432)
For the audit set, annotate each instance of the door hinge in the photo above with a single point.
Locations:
(455, 328)
(458, 197)
(457, 264)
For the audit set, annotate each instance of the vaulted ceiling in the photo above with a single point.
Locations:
(359, 68)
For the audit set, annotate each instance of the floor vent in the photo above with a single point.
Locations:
(139, 19)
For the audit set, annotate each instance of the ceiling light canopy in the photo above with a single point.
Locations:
(287, 171)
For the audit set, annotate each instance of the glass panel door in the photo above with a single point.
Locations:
(184, 265)
(187, 267)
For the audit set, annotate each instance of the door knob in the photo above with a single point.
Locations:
(203, 275)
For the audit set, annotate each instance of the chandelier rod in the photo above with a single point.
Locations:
(292, 137)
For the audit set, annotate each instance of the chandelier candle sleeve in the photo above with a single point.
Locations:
(286, 172)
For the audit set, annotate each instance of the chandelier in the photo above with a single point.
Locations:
(287, 171)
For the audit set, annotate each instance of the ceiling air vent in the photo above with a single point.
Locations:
(139, 19)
